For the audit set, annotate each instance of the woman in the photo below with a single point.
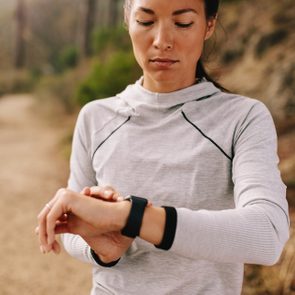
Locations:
(176, 139)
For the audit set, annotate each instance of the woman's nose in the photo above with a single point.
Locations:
(163, 39)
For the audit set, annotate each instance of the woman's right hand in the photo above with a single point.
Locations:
(85, 220)
(65, 211)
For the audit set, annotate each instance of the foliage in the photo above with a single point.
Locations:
(114, 68)
(269, 40)
(232, 54)
(104, 75)
(106, 39)
(68, 58)
(52, 29)
(108, 78)
(58, 92)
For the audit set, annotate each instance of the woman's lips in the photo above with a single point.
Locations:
(163, 62)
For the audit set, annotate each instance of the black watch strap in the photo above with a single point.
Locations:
(134, 221)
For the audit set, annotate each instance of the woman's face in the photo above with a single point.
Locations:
(168, 38)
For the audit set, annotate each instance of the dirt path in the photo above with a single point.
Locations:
(32, 168)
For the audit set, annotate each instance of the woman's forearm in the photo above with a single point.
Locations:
(96, 217)
(153, 225)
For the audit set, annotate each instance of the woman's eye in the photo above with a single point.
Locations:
(145, 23)
(184, 25)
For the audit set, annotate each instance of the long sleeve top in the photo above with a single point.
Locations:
(211, 155)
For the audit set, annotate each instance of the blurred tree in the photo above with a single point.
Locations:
(113, 13)
(87, 26)
(20, 15)
(53, 27)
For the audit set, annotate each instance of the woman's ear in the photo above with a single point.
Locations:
(211, 23)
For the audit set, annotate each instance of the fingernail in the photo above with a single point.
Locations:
(108, 193)
(95, 189)
(42, 250)
(119, 199)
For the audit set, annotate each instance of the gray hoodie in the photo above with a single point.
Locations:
(212, 156)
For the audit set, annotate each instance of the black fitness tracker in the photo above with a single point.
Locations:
(170, 228)
(134, 221)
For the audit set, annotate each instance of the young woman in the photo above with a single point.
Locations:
(176, 139)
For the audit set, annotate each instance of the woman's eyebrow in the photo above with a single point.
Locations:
(186, 10)
(176, 12)
(146, 10)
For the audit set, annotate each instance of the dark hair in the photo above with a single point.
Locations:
(211, 10)
(211, 7)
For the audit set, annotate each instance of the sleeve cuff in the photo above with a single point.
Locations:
(170, 229)
(101, 263)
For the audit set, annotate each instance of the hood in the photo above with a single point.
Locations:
(141, 99)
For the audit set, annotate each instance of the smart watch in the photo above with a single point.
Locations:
(134, 221)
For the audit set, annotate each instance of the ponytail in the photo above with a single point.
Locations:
(211, 7)
(202, 73)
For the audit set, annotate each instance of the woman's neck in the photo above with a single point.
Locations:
(166, 86)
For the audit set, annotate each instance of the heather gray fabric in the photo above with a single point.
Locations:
(210, 154)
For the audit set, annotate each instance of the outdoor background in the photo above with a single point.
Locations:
(57, 55)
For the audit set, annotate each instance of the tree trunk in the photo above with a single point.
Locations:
(20, 34)
(113, 13)
(88, 24)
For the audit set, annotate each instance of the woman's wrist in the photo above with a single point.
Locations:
(153, 221)
(122, 210)
(158, 223)
(153, 225)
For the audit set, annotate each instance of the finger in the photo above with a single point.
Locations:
(116, 196)
(63, 218)
(86, 191)
(104, 193)
(52, 217)
(42, 223)
(59, 209)
(120, 199)
(42, 229)
(62, 228)
(56, 247)
(42, 250)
